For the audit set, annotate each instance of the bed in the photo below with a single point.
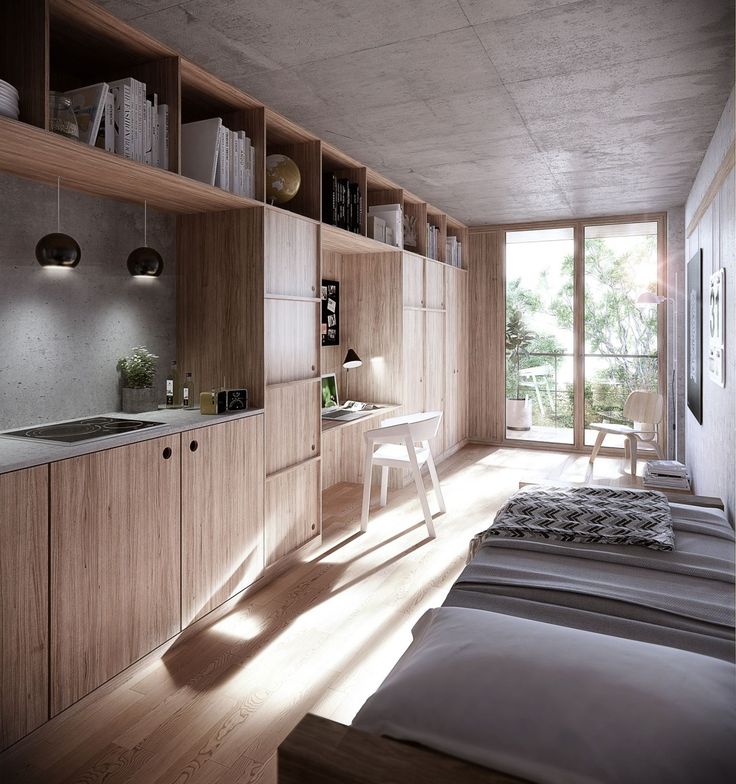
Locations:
(573, 661)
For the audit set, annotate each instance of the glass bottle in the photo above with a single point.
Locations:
(187, 391)
(173, 390)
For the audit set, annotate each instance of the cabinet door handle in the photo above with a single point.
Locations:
(167, 453)
(314, 446)
(193, 446)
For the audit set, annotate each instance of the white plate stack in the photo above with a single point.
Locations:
(8, 101)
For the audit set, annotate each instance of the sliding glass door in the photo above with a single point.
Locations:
(539, 335)
(621, 340)
(577, 341)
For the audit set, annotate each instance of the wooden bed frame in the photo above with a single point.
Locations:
(321, 751)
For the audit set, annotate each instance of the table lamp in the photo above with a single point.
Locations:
(352, 360)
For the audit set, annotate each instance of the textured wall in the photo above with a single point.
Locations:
(711, 447)
(62, 331)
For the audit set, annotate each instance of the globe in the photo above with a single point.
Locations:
(282, 179)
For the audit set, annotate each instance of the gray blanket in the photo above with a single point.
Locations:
(683, 599)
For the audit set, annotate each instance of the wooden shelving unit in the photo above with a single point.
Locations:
(62, 44)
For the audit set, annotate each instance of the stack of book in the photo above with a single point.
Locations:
(454, 251)
(214, 154)
(342, 203)
(666, 475)
(433, 235)
(121, 117)
(386, 224)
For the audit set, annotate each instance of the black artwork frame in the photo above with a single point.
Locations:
(694, 354)
(330, 329)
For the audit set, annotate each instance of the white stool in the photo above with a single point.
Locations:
(398, 438)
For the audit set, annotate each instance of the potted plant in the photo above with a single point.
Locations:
(518, 339)
(137, 370)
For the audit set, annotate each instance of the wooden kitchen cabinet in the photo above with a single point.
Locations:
(434, 373)
(23, 602)
(115, 562)
(293, 509)
(434, 284)
(456, 408)
(222, 513)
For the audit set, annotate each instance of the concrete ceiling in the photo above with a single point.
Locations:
(494, 110)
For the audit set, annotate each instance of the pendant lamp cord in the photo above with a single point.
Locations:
(145, 224)
(58, 204)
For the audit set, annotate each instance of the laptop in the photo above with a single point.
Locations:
(331, 408)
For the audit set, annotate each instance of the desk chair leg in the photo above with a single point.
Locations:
(632, 449)
(367, 478)
(597, 448)
(435, 481)
(384, 485)
(421, 492)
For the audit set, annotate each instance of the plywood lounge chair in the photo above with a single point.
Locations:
(645, 410)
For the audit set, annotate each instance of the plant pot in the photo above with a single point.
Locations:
(519, 414)
(135, 401)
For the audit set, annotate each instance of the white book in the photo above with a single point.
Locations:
(147, 132)
(141, 127)
(393, 215)
(155, 149)
(234, 159)
(222, 177)
(252, 171)
(163, 136)
(200, 143)
(123, 111)
(242, 165)
(109, 123)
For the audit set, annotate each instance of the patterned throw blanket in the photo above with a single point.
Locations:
(606, 515)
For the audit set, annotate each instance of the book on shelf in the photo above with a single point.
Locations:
(342, 203)
(433, 234)
(219, 156)
(392, 214)
(453, 251)
(376, 228)
(139, 128)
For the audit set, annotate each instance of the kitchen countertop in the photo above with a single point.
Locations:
(17, 453)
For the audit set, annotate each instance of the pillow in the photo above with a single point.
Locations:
(557, 705)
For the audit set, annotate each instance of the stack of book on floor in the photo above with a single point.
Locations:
(666, 475)
(454, 252)
(121, 117)
(342, 203)
(214, 154)
(433, 234)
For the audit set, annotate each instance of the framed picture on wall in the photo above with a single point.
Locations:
(694, 305)
(330, 313)
(717, 328)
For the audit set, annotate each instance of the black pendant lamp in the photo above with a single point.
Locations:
(57, 249)
(145, 262)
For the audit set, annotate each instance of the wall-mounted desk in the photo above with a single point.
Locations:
(342, 445)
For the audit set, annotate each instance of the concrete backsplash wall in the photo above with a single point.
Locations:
(62, 331)
(711, 447)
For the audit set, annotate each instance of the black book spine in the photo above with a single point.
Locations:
(328, 199)
(343, 219)
(353, 187)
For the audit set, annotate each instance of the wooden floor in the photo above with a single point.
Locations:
(319, 638)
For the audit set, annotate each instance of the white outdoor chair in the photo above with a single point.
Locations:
(397, 439)
(645, 410)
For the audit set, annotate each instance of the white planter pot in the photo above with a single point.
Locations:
(136, 401)
(519, 414)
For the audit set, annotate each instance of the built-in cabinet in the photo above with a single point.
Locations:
(456, 357)
(115, 562)
(221, 513)
(24, 624)
(107, 555)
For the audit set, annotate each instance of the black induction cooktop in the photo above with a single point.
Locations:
(82, 430)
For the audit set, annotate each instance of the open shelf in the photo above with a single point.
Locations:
(416, 212)
(438, 219)
(335, 240)
(460, 232)
(87, 46)
(286, 138)
(43, 156)
(342, 166)
(204, 96)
